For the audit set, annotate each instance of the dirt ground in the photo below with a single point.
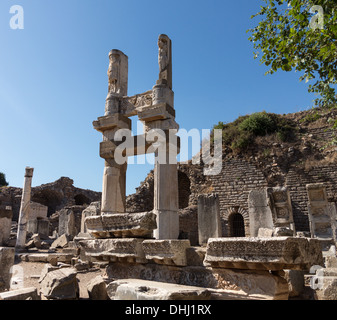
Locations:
(31, 272)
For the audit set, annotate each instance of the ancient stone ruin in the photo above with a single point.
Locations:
(182, 236)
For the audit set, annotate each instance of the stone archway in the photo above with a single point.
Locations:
(81, 199)
(236, 225)
(236, 222)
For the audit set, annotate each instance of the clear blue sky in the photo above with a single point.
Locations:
(53, 80)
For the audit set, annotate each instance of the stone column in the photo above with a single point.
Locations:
(114, 175)
(24, 209)
(166, 203)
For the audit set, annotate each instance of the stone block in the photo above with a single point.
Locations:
(265, 233)
(97, 289)
(20, 294)
(260, 214)
(5, 225)
(112, 121)
(124, 225)
(39, 225)
(94, 209)
(134, 289)
(160, 111)
(60, 242)
(209, 223)
(264, 253)
(122, 250)
(326, 284)
(280, 204)
(6, 263)
(168, 252)
(70, 221)
(60, 284)
(295, 279)
(37, 210)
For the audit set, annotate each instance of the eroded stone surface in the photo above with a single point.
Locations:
(123, 250)
(264, 253)
(135, 225)
(20, 294)
(224, 284)
(168, 252)
(135, 289)
(6, 263)
(60, 284)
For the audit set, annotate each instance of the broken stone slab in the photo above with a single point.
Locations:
(60, 284)
(326, 284)
(122, 250)
(225, 284)
(6, 263)
(60, 242)
(135, 289)
(280, 204)
(263, 253)
(97, 289)
(35, 241)
(168, 252)
(94, 209)
(21, 294)
(46, 257)
(122, 225)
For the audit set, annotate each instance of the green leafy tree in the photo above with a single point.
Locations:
(3, 182)
(300, 35)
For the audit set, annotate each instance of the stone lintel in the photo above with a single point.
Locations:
(263, 253)
(112, 122)
(115, 250)
(167, 252)
(122, 225)
(159, 111)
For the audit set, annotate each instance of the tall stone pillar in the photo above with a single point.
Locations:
(24, 209)
(114, 175)
(166, 204)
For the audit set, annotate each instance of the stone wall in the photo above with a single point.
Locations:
(297, 179)
(270, 164)
(55, 196)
